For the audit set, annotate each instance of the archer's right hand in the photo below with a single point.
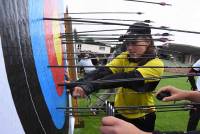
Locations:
(79, 92)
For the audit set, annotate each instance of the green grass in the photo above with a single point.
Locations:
(164, 121)
(172, 120)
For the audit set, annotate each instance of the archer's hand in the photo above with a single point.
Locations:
(175, 93)
(79, 92)
(113, 125)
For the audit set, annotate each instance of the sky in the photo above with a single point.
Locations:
(183, 14)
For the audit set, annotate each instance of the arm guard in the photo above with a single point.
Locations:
(137, 85)
(97, 74)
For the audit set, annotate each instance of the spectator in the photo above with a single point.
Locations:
(86, 63)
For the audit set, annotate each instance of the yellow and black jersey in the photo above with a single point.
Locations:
(129, 97)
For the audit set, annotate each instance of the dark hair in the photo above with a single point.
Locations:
(149, 54)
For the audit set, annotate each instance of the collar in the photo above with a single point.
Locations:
(135, 60)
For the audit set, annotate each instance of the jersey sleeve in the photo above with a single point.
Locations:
(150, 72)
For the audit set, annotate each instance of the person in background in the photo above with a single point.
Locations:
(84, 62)
(195, 86)
(103, 60)
(94, 58)
(112, 125)
(140, 52)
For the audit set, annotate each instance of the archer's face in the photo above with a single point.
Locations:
(137, 48)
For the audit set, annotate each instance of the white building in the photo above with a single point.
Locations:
(94, 48)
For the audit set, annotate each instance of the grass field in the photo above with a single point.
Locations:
(164, 121)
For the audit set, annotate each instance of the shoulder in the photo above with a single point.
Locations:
(82, 60)
(123, 55)
(120, 58)
(196, 64)
(155, 62)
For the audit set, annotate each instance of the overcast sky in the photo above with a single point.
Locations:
(183, 14)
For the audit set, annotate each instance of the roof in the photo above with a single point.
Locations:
(184, 48)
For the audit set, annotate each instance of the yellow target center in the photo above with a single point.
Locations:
(57, 40)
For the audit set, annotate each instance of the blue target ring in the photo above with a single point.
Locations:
(45, 76)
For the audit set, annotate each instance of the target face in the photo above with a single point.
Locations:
(29, 45)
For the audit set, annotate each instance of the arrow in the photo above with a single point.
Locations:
(120, 24)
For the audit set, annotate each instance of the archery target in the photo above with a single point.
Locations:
(9, 119)
(29, 45)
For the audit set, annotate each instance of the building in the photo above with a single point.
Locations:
(96, 48)
(183, 53)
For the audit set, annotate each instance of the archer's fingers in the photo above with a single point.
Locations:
(165, 89)
(107, 130)
(110, 121)
(170, 98)
(78, 92)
